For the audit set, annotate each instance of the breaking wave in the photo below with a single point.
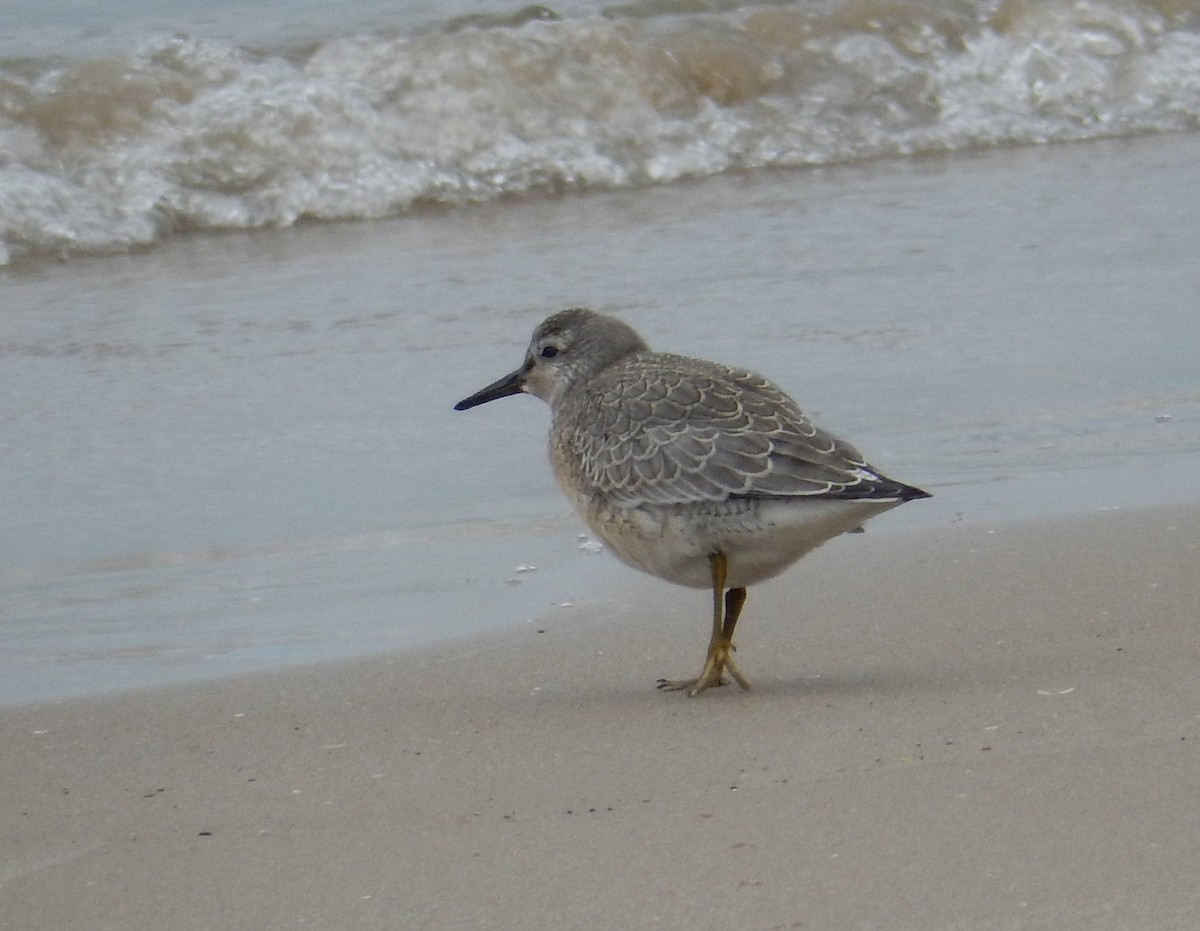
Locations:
(112, 153)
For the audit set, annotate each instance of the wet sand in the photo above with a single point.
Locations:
(978, 726)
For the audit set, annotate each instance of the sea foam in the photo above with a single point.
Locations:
(183, 133)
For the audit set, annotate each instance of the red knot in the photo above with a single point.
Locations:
(698, 473)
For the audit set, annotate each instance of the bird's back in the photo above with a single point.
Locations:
(662, 429)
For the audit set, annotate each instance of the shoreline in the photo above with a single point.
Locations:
(269, 462)
(970, 726)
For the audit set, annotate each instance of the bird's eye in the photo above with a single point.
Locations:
(549, 352)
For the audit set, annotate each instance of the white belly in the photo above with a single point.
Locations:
(759, 537)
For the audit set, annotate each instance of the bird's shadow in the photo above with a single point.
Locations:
(912, 675)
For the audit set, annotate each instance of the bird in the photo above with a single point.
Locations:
(702, 474)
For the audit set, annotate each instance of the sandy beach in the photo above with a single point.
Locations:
(974, 726)
(287, 642)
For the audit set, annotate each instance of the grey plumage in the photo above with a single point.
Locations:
(696, 472)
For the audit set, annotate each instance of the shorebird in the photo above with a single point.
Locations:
(698, 473)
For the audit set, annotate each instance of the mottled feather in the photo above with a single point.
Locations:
(657, 428)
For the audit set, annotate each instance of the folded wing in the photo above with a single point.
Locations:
(653, 434)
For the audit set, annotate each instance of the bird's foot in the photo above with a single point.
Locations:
(718, 662)
(691, 686)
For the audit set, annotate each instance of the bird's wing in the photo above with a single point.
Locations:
(676, 431)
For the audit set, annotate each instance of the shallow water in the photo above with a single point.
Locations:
(238, 451)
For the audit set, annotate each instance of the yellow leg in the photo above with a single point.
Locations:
(734, 599)
(727, 606)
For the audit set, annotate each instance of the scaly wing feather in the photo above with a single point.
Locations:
(663, 429)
